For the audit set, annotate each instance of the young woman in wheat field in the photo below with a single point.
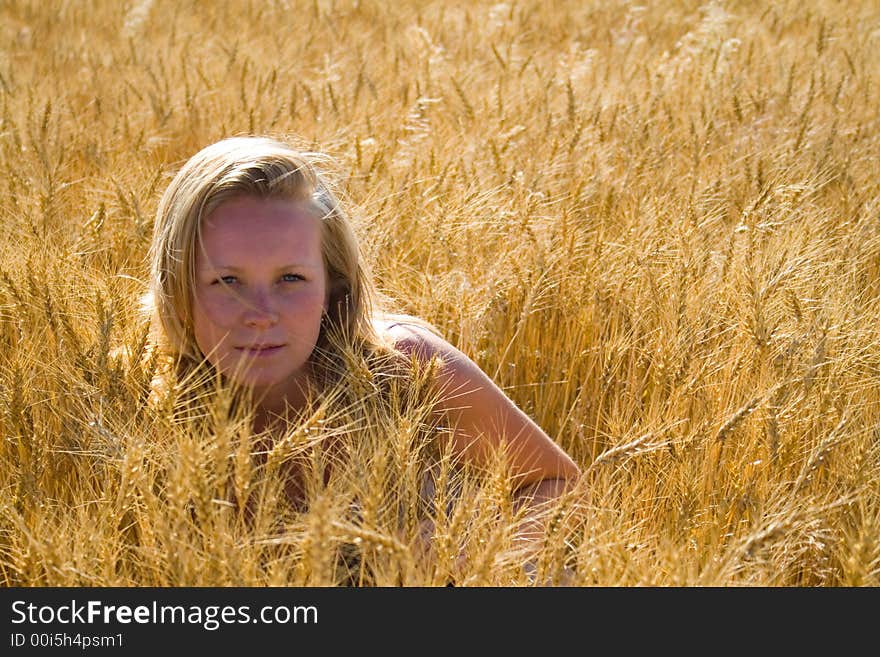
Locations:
(256, 276)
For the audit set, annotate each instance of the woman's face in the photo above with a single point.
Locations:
(261, 289)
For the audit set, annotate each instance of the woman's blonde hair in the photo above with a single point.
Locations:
(264, 168)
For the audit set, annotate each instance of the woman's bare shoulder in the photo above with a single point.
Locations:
(480, 413)
(412, 336)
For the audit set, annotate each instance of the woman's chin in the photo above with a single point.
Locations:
(264, 378)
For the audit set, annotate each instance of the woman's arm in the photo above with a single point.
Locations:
(483, 417)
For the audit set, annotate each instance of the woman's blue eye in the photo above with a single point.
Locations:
(229, 280)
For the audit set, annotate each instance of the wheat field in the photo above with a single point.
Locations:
(656, 225)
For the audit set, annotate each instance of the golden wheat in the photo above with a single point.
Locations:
(656, 226)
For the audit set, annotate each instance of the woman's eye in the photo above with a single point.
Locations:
(230, 280)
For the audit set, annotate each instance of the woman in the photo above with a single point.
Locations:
(256, 272)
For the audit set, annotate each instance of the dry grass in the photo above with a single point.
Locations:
(656, 226)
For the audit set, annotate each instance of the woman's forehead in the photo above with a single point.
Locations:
(261, 228)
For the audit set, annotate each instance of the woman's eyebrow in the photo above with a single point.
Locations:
(293, 265)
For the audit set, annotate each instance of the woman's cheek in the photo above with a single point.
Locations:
(211, 327)
(219, 310)
(312, 299)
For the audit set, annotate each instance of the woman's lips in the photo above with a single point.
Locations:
(261, 351)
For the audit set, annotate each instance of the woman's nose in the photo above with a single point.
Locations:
(259, 312)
